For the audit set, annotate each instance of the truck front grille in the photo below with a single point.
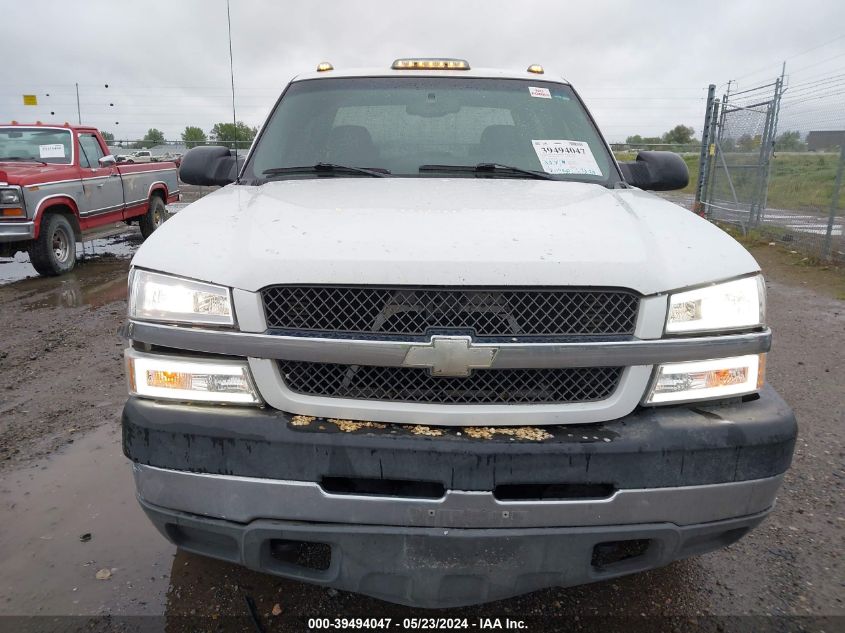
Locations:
(409, 311)
(487, 386)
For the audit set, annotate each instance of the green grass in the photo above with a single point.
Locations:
(802, 182)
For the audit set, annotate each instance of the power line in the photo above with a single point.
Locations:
(823, 61)
(809, 90)
(821, 75)
(804, 52)
(826, 78)
(811, 98)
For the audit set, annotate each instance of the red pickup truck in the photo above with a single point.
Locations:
(57, 181)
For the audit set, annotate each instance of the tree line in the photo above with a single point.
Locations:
(229, 134)
(678, 135)
(789, 141)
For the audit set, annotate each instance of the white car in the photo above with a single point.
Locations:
(431, 343)
(142, 156)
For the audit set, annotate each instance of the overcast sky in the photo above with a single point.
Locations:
(642, 66)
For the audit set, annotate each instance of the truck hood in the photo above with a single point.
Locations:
(19, 173)
(425, 231)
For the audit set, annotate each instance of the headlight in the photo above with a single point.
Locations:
(707, 379)
(158, 297)
(193, 380)
(10, 196)
(727, 306)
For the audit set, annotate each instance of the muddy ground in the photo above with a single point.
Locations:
(68, 511)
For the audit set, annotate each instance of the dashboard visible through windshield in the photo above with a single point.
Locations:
(430, 126)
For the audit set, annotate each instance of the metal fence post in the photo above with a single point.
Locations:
(718, 129)
(776, 106)
(834, 205)
(711, 157)
(704, 155)
(755, 212)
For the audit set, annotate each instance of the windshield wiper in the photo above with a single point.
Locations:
(488, 168)
(324, 168)
(21, 159)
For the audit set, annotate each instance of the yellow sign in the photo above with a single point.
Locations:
(712, 149)
(30, 100)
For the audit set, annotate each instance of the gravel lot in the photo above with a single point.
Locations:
(62, 476)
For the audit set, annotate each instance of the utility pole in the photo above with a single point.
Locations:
(232, 76)
(78, 111)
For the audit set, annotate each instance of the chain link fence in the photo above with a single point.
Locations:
(742, 155)
(773, 160)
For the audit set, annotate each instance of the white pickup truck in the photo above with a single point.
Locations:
(433, 344)
(141, 156)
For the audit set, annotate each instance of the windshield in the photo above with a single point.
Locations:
(399, 124)
(47, 145)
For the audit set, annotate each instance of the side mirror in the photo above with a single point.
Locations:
(656, 171)
(107, 161)
(208, 165)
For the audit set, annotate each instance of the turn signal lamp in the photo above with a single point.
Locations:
(434, 63)
(324, 66)
(169, 379)
(12, 213)
(710, 379)
(190, 380)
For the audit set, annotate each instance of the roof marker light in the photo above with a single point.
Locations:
(536, 69)
(430, 63)
(324, 66)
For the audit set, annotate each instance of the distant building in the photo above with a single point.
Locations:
(825, 140)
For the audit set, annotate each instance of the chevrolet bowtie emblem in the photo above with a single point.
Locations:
(450, 356)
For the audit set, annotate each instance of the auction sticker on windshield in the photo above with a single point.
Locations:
(566, 157)
(543, 93)
(56, 150)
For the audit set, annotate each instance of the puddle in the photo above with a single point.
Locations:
(45, 568)
(93, 283)
(121, 245)
(15, 268)
(176, 207)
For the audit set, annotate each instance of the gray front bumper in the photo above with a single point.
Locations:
(246, 499)
(443, 567)
(228, 482)
(16, 231)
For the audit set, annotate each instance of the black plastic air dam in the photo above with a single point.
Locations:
(650, 448)
(433, 567)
